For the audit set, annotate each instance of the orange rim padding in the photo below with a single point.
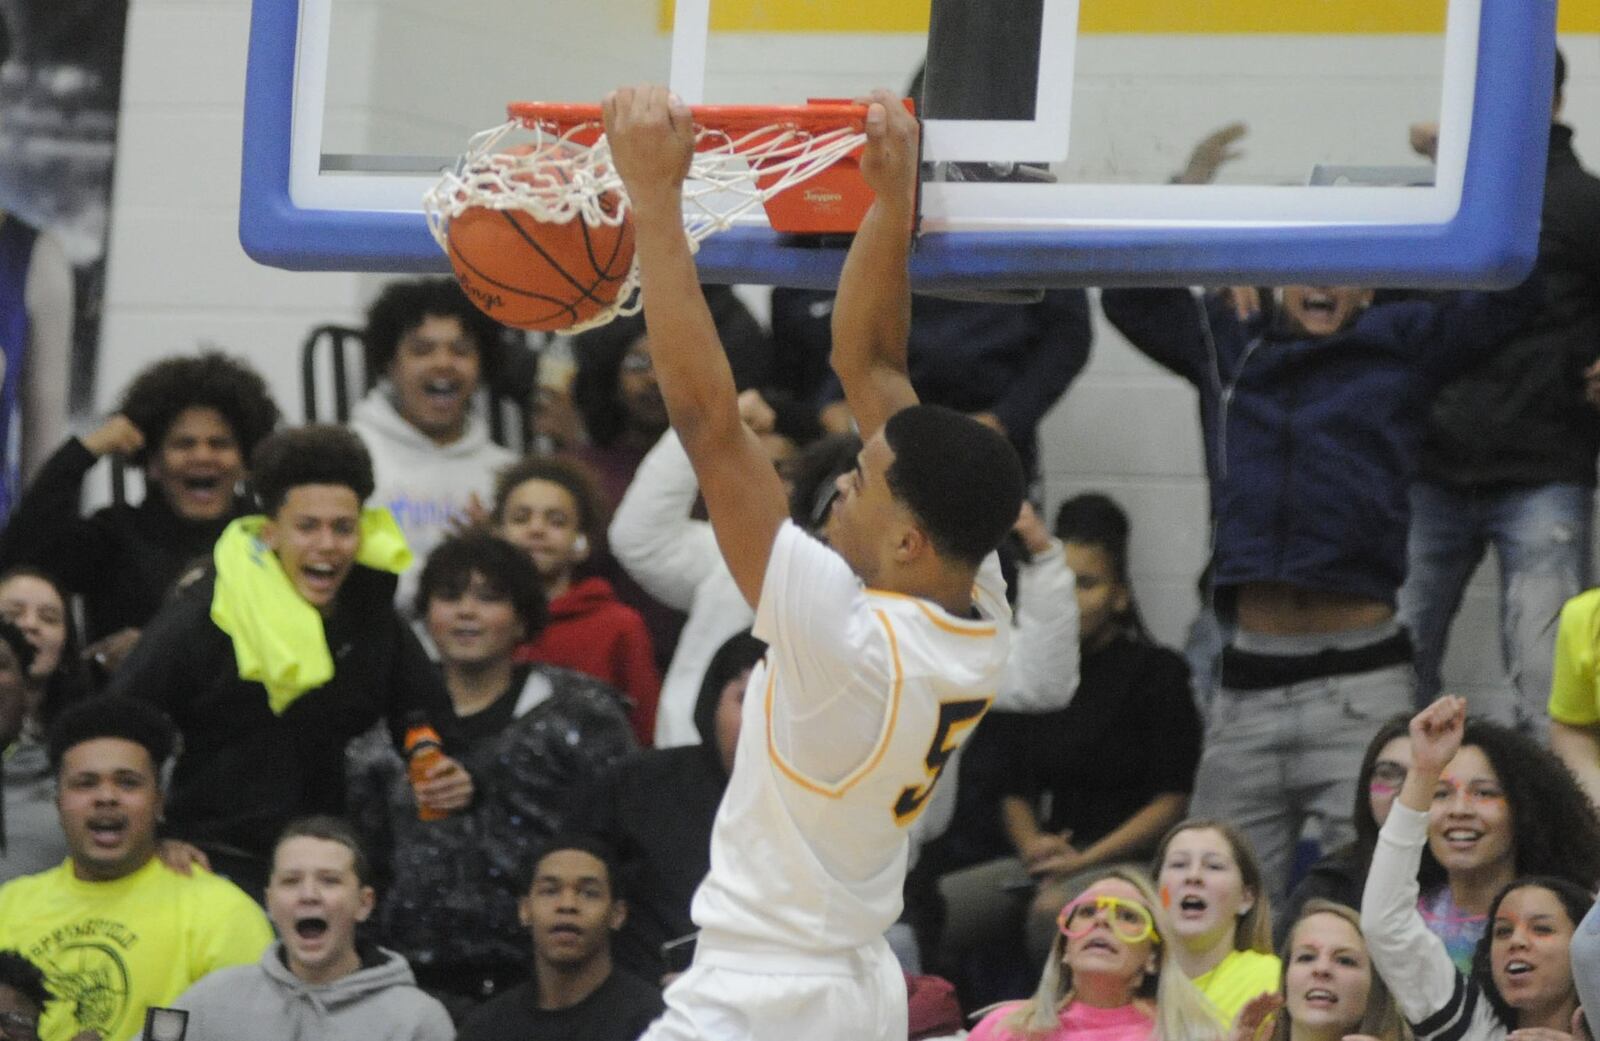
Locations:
(816, 116)
(832, 202)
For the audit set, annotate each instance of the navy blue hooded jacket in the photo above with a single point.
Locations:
(1312, 442)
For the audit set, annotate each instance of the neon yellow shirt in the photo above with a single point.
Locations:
(1238, 978)
(112, 949)
(1575, 688)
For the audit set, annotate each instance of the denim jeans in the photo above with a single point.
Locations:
(1540, 535)
(1278, 759)
(1202, 649)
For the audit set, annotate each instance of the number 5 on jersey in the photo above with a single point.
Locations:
(956, 718)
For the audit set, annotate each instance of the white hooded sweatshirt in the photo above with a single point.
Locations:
(425, 485)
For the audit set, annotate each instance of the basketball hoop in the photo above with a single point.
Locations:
(797, 161)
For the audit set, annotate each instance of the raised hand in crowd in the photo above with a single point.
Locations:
(1436, 734)
(1211, 153)
(116, 436)
(1255, 1019)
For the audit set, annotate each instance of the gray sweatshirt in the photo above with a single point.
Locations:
(1585, 954)
(266, 1002)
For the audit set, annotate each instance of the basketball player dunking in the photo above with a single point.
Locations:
(886, 644)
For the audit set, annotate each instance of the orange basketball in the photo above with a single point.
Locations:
(533, 274)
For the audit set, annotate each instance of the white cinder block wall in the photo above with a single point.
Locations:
(178, 276)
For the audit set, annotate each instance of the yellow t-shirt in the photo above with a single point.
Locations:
(1238, 978)
(1575, 688)
(112, 949)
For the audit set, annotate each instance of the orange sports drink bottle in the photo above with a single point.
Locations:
(423, 751)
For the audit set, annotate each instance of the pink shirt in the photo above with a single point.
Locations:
(1078, 1022)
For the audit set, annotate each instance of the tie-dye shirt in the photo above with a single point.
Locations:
(1460, 932)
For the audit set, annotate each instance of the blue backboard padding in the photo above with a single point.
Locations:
(1491, 241)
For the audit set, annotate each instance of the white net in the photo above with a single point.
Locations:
(557, 177)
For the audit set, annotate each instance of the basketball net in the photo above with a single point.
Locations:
(566, 174)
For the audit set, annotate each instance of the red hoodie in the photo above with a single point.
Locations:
(592, 632)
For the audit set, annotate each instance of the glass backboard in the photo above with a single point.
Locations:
(354, 105)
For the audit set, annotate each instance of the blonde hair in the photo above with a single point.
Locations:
(1182, 1013)
(1253, 930)
(1381, 1019)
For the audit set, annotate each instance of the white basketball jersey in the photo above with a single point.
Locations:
(848, 723)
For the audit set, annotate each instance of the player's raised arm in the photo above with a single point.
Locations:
(872, 314)
(652, 141)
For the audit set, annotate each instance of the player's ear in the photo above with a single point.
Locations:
(913, 543)
(619, 914)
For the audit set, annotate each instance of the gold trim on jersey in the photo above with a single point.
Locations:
(939, 618)
(837, 791)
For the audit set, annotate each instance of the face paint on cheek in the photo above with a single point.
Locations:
(1166, 898)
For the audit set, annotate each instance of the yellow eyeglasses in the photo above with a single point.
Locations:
(1130, 922)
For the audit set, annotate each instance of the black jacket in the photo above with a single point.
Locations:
(1519, 416)
(450, 887)
(123, 560)
(244, 772)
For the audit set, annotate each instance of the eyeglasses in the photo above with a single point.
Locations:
(14, 1026)
(1129, 921)
(1387, 777)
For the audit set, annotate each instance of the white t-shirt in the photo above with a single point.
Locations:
(848, 722)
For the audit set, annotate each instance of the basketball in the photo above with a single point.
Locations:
(534, 274)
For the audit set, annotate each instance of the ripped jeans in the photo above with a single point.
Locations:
(1540, 535)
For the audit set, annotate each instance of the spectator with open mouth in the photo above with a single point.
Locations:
(428, 350)
(290, 647)
(191, 423)
(1330, 990)
(1504, 808)
(1211, 888)
(1520, 982)
(318, 980)
(115, 929)
(1312, 403)
(1111, 975)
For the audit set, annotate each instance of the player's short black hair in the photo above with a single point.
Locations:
(319, 453)
(330, 829)
(574, 476)
(961, 479)
(406, 304)
(24, 977)
(508, 571)
(111, 715)
(1561, 72)
(593, 845)
(161, 392)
